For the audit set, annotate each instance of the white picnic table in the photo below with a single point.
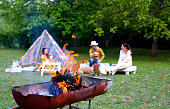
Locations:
(50, 63)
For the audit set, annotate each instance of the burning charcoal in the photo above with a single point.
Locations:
(57, 73)
(61, 78)
(70, 88)
(78, 81)
(73, 82)
(68, 74)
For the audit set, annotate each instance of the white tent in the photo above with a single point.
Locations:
(34, 53)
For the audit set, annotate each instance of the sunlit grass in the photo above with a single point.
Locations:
(148, 88)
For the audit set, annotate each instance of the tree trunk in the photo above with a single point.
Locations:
(154, 48)
(20, 45)
(10, 43)
(108, 38)
(106, 43)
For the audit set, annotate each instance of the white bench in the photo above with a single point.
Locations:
(104, 66)
(129, 69)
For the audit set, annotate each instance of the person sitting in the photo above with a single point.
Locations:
(125, 59)
(45, 54)
(44, 57)
(95, 53)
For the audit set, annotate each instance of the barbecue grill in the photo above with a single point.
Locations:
(40, 96)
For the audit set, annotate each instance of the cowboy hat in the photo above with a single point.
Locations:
(93, 43)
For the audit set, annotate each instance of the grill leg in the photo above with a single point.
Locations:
(73, 107)
(89, 103)
(70, 106)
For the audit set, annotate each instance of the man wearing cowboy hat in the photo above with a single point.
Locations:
(95, 53)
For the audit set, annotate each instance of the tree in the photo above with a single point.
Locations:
(107, 19)
(70, 18)
(12, 17)
(148, 16)
(63, 18)
(26, 19)
(151, 17)
(160, 14)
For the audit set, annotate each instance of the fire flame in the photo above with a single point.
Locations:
(63, 86)
(70, 63)
(71, 66)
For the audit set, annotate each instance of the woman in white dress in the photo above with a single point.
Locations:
(125, 59)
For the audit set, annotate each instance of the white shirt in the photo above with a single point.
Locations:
(125, 58)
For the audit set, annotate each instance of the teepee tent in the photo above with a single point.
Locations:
(34, 53)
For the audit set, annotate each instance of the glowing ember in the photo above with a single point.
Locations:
(63, 86)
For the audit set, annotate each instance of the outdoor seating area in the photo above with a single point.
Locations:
(47, 63)
(104, 66)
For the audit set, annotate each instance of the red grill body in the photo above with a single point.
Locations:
(27, 98)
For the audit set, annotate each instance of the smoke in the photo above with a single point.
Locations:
(35, 77)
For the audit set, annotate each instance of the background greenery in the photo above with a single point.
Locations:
(148, 88)
(142, 23)
(110, 22)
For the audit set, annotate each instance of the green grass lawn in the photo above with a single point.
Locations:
(148, 88)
